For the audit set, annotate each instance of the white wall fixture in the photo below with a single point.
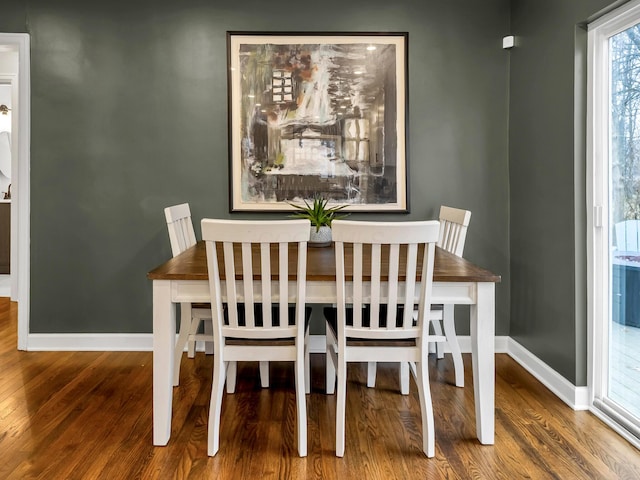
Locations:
(508, 42)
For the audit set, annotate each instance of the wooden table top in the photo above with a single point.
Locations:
(192, 265)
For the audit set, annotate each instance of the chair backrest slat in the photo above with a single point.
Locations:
(357, 285)
(410, 287)
(392, 291)
(265, 269)
(247, 284)
(424, 305)
(374, 302)
(230, 282)
(180, 227)
(453, 229)
(283, 270)
(262, 251)
(384, 282)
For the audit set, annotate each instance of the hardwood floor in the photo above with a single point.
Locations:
(87, 415)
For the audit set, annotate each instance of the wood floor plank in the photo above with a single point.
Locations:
(88, 415)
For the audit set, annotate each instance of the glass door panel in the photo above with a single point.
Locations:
(623, 390)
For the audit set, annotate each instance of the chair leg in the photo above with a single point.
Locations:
(426, 409)
(215, 406)
(193, 329)
(264, 374)
(341, 400)
(452, 340)
(404, 378)
(208, 330)
(232, 370)
(330, 369)
(301, 404)
(307, 365)
(183, 335)
(371, 374)
(437, 329)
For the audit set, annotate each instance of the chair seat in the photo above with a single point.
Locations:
(203, 306)
(331, 316)
(275, 315)
(270, 342)
(261, 342)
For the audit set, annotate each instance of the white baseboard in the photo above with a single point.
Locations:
(501, 344)
(317, 343)
(116, 342)
(90, 342)
(5, 285)
(576, 397)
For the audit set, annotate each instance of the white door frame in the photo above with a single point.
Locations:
(21, 184)
(598, 227)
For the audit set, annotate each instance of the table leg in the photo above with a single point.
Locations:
(164, 336)
(483, 357)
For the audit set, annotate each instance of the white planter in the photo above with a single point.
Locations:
(321, 238)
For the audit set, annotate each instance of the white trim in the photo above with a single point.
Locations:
(118, 342)
(89, 342)
(576, 397)
(598, 154)
(317, 343)
(501, 344)
(21, 187)
(5, 285)
(618, 19)
(616, 427)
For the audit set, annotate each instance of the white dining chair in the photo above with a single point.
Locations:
(181, 237)
(454, 223)
(373, 319)
(453, 233)
(264, 317)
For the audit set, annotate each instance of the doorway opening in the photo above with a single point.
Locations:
(15, 70)
(7, 81)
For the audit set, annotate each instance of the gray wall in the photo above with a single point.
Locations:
(129, 116)
(547, 181)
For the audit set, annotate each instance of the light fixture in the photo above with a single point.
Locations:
(4, 110)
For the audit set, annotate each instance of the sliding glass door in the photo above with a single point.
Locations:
(614, 197)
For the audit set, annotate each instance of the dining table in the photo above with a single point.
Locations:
(184, 278)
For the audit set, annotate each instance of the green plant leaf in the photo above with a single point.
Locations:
(318, 213)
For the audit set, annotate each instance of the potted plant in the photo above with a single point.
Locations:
(321, 217)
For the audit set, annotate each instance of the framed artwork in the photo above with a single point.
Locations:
(317, 114)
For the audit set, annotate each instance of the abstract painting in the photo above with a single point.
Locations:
(317, 115)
